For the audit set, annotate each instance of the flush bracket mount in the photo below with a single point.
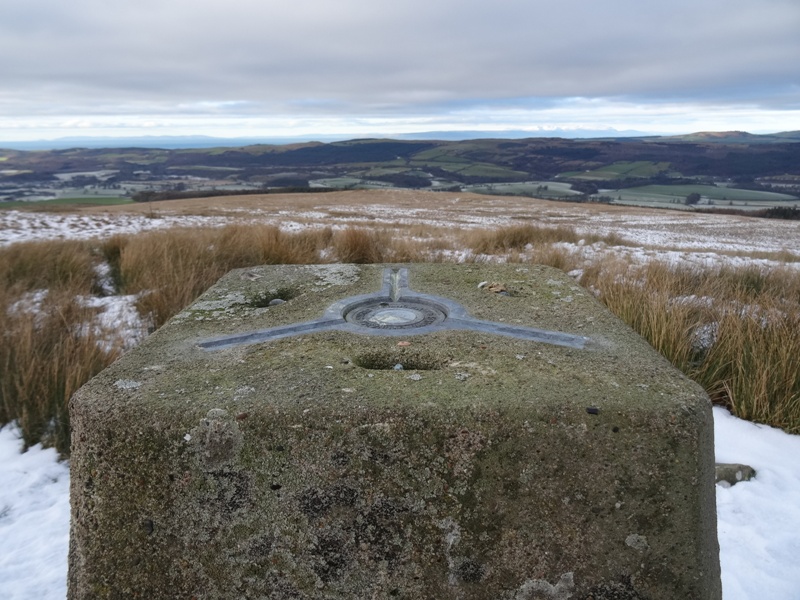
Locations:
(396, 310)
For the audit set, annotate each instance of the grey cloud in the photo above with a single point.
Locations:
(371, 56)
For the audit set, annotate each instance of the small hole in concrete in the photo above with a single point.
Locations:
(408, 360)
(271, 297)
(148, 526)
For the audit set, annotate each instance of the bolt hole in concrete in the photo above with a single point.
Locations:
(398, 361)
(271, 298)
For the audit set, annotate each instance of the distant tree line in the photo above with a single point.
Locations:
(587, 188)
(786, 213)
(693, 198)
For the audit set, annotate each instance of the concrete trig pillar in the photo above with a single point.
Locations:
(393, 432)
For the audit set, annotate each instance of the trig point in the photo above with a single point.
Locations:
(426, 431)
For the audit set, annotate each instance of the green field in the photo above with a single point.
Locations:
(655, 195)
(621, 170)
(468, 168)
(380, 171)
(481, 170)
(453, 167)
(77, 201)
(437, 155)
(350, 183)
(204, 168)
(152, 157)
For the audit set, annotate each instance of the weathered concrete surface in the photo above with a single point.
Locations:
(308, 467)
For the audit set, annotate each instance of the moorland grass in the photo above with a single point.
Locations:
(169, 269)
(519, 237)
(46, 354)
(732, 329)
(46, 349)
(61, 265)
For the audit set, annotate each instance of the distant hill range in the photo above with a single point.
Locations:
(596, 168)
(735, 137)
(203, 141)
(713, 154)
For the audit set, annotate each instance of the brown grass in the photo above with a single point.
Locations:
(44, 358)
(171, 268)
(62, 265)
(734, 330)
(516, 237)
(360, 246)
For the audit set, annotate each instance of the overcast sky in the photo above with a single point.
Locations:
(304, 67)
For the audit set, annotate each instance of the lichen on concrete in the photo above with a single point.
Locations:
(532, 589)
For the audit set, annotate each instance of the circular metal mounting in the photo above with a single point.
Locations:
(395, 310)
(403, 314)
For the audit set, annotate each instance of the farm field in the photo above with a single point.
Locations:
(673, 196)
(344, 183)
(67, 201)
(537, 189)
(619, 170)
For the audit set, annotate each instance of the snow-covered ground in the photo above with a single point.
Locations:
(19, 226)
(34, 521)
(676, 234)
(758, 521)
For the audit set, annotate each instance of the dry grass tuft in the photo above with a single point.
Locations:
(62, 265)
(754, 365)
(46, 352)
(554, 256)
(171, 268)
(517, 237)
(360, 246)
(247, 245)
(168, 269)
(735, 331)
(45, 356)
(111, 250)
(520, 237)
